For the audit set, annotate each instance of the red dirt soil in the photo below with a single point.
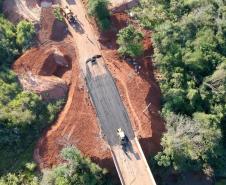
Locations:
(40, 60)
(77, 123)
(50, 27)
(137, 91)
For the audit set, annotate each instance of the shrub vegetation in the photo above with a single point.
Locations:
(23, 115)
(99, 10)
(130, 42)
(77, 169)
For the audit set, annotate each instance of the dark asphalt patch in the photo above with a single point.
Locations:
(110, 110)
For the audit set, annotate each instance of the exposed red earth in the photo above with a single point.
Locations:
(77, 123)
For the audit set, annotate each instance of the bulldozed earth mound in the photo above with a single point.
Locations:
(47, 60)
(49, 87)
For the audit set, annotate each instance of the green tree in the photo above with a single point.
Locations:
(190, 145)
(77, 170)
(8, 49)
(25, 177)
(189, 41)
(14, 39)
(58, 14)
(25, 32)
(23, 115)
(130, 41)
(99, 10)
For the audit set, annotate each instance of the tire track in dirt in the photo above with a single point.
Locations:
(25, 11)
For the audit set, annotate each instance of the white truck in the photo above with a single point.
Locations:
(124, 141)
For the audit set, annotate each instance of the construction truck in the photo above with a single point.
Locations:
(67, 13)
(123, 138)
(93, 59)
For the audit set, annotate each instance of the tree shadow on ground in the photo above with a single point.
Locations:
(59, 31)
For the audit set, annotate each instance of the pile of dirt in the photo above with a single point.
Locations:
(45, 61)
(49, 87)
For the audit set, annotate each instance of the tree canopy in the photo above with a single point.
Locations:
(191, 145)
(189, 40)
(99, 10)
(77, 169)
(14, 39)
(129, 40)
(25, 32)
(23, 115)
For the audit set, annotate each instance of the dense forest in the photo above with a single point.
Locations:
(189, 38)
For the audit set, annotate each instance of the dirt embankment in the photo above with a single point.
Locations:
(50, 88)
(41, 61)
(52, 57)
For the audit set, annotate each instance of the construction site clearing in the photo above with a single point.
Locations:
(77, 124)
(127, 154)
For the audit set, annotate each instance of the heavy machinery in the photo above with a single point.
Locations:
(123, 138)
(67, 13)
(93, 59)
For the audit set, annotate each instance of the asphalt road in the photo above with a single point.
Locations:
(108, 103)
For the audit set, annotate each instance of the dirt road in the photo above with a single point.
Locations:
(132, 164)
(110, 109)
(85, 38)
(33, 15)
